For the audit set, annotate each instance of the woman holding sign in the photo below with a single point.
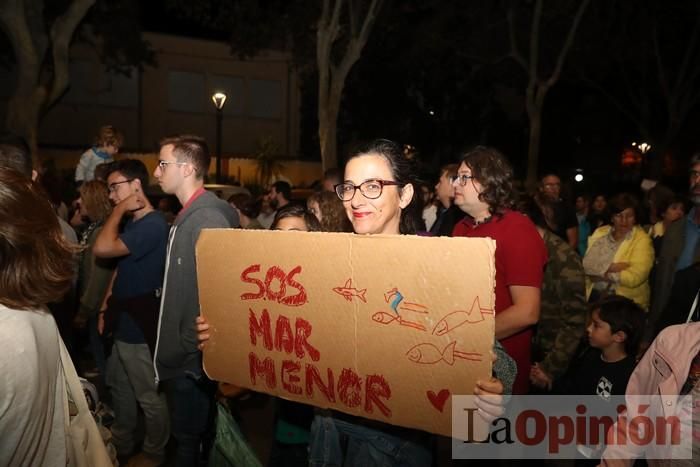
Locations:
(379, 198)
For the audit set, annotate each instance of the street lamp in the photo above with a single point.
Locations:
(219, 99)
(643, 147)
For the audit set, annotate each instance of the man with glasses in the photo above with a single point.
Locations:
(183, 164)
(448, 214)
(133, 308)
(678, 260)
(563, 215)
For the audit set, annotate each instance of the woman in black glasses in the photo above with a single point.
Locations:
(380, 196)
(388, 201)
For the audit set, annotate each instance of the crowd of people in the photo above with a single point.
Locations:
(583, 287)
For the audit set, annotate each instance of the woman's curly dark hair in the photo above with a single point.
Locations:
(333, 215)
(495, 175)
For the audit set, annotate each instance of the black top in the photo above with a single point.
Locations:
(591, 375)
(564, 218)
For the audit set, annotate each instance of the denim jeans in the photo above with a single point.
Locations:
(191, 401)
(132, 383)
(365, 446)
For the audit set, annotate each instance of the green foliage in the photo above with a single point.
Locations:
(267, 161)
(116, 23)
(253, 25)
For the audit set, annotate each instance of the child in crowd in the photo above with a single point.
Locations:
(107, 144)
(604, 368)
(293, 424)
(614, 334)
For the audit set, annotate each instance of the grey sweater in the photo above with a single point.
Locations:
(176, 348)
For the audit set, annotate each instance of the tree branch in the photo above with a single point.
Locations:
(568, 43)
(356, 44)
(352, 17)
(660, 70)
(689, 52)
(62, 32)
(370, 19)
(335, 19)
(13, 21)
(631, 113)
(514, 50)
(534, 52)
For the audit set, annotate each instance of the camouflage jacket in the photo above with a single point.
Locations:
(563, 310)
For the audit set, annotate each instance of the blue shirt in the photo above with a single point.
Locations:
(692, 234)
(141, 271)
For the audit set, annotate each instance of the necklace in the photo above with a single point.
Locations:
(485, 220)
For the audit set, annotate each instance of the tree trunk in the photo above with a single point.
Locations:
(533, 149)
(41, 79)
(538, 87)
(328, 110)
(25, 106)
(327, 132)
(332, 75)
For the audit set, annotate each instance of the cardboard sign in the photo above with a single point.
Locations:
(383, 327)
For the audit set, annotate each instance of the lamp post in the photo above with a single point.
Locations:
(643, 147)
(219, 99)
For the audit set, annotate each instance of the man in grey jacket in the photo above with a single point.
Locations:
(680, 249)
(183, 163)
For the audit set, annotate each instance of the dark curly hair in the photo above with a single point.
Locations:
(333, 216)
(404, 171)
(495, 175)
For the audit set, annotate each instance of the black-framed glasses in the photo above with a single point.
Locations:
(164, 164)
(370, 189)
(461, 179)
(113, 186)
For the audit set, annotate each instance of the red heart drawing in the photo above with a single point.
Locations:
(438, 400)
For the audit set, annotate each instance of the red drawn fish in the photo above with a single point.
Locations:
(456, 319)
(382, 317)
(347, 292)
(429, 354)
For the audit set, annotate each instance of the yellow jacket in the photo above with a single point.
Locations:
(637, 250)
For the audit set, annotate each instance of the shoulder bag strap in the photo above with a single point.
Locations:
(91, 451)
(692, 308)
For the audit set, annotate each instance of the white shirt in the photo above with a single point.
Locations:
(32, 387)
